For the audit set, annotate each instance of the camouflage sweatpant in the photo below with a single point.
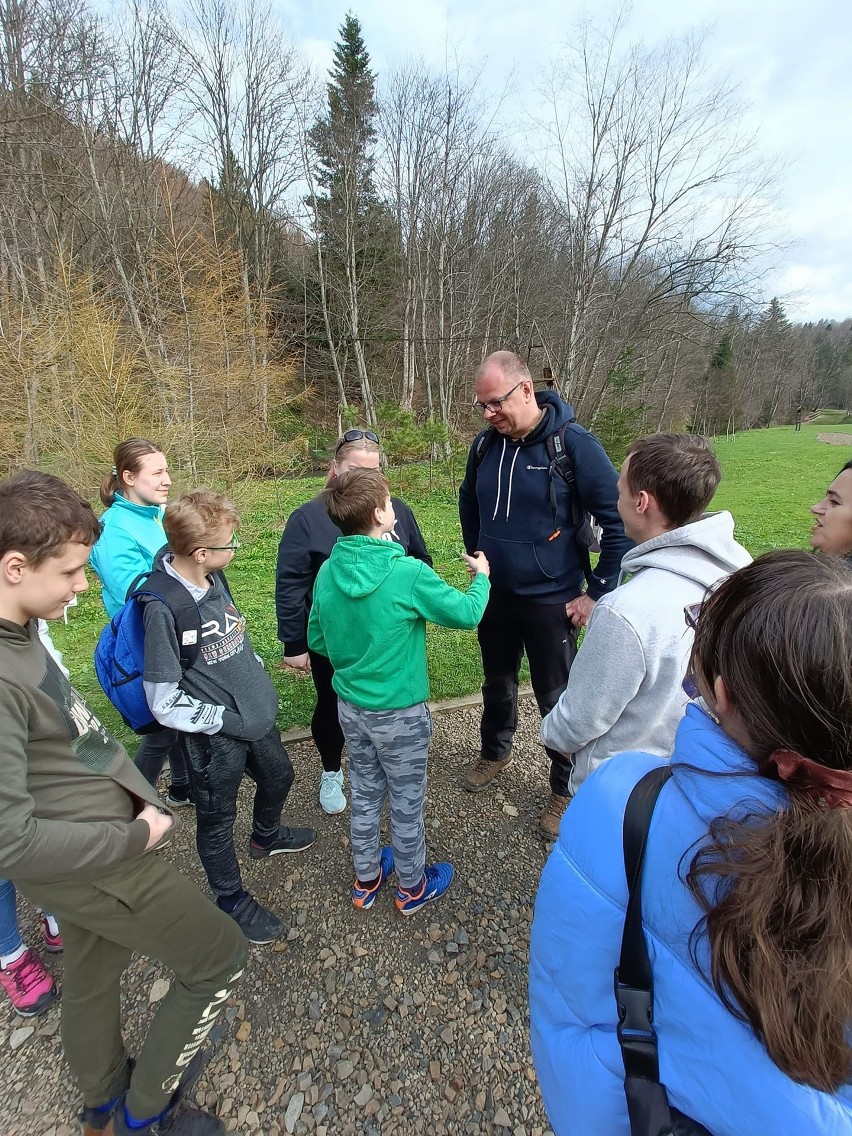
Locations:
(387, 758)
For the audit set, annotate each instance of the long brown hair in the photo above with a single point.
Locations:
(127, 458)
(776, 889)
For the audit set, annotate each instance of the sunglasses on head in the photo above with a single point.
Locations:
(690, 614)
(356, 436)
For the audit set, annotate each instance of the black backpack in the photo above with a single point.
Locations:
(647, 1102)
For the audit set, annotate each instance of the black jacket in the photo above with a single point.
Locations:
(506, 511)
(306, 544)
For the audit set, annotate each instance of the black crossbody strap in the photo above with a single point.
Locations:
(633, 979)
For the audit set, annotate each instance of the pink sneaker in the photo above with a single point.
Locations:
(52, 943)
(30, 988)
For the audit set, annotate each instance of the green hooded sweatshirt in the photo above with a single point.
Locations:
(370, 607)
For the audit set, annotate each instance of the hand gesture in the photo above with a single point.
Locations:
(580, 610)
(476, 564)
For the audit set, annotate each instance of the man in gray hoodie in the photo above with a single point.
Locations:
(625, 688)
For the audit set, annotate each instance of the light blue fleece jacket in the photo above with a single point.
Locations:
(131, 536)
(715, 1068)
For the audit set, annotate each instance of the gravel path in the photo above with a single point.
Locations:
(836, 439)
(357, 1022)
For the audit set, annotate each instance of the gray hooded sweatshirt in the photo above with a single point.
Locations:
(624, 691)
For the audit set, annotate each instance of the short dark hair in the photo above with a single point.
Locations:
(351, 499)
(680, 470)
(40, 514)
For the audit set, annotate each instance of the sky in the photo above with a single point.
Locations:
(790, 60)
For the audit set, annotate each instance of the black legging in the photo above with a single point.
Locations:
(151, 757)
(328, 736)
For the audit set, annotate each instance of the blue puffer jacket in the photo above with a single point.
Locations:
(506, 510)
(712, 1064)
(131, 536)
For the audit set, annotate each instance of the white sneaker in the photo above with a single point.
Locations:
(331, 795)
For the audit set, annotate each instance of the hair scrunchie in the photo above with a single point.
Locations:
(831, 788)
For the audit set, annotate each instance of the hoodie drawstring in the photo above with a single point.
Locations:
(511, 475)
(500, 481)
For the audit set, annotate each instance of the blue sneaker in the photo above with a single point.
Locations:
(331, 795)
(364, 898)
(435, 882)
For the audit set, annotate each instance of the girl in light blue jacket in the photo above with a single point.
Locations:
(746, 888)
(135, 492)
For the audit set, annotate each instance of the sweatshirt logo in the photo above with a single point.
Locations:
(220, 641)
(544, 467)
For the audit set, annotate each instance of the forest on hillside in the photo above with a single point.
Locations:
(203, 241)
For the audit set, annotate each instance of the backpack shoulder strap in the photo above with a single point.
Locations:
(559, 453)
(481, 443)
(219, 572)
(160, 585)
(633, 977)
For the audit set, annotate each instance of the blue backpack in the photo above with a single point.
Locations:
(120, 653)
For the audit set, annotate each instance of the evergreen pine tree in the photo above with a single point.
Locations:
(345, 206)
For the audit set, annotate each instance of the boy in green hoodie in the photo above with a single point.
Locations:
(370, 606)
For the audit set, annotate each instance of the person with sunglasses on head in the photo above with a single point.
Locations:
(624, 690)
(745, 884)
(832, 531)
(516, 507)
(224, 706)
(306, 544)
(135, 492)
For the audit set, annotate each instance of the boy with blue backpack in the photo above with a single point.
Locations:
(222, 702)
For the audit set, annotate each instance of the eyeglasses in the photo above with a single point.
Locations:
(356, 436)
(232, 547)
(690, 684)
(495, 404)
(690, 614)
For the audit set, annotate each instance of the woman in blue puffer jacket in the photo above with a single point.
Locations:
(135, 492)
(747, 882)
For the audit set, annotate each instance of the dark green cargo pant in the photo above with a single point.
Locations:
(144, 907)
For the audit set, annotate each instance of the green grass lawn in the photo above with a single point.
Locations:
(770, 479)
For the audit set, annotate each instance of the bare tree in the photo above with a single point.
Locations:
(659, 192)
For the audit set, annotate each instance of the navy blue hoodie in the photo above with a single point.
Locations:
(506, 511)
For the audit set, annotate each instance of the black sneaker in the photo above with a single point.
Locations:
(257, 924)
(287, 840)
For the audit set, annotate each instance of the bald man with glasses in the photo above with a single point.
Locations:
(515, 506)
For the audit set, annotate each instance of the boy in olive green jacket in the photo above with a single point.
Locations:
(370, 606)
(81, 827)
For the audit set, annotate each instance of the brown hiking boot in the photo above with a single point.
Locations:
(552, 814)
(482, 772)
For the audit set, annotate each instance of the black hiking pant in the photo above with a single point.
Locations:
(509, 627)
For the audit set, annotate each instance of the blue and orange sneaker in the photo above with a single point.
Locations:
(435, 882)
(364, 898)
